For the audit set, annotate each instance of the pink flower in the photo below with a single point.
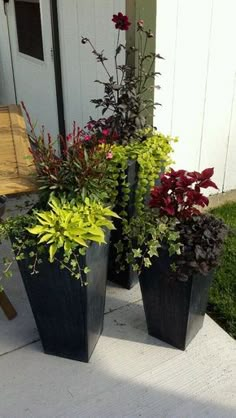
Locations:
(69, 137)
(87, 137)
(140, 23)
(109, 155)
(105, 132)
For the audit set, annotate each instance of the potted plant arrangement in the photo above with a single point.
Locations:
(176, 250)
(60, 245)
(138, 151)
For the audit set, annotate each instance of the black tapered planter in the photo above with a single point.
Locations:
(174, 309)
(69, 316)
(126, 278)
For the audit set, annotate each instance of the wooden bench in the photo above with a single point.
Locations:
(16, 164)
(17, 171)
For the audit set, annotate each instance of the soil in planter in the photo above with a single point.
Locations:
(174, 309)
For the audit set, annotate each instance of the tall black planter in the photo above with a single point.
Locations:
(69, 316)
(126, 278)
(174, 310)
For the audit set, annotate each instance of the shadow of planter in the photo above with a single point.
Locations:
(174, 309)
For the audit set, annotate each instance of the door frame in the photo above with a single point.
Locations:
(57, 68)
(56, 63)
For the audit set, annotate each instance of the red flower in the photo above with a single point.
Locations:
(121, 21)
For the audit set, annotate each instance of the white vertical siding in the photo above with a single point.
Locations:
(167, 11)
(198, 75)
(92, 19)
(230, 163)
(7, 95)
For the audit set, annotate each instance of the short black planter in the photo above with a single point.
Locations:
(174, 309)
(126, 278)
(69, 316)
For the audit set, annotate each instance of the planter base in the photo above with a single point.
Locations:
(174, 310)
(126, 279)
(69, 316)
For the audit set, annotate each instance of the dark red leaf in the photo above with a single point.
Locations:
(207, 173)
(207, 183)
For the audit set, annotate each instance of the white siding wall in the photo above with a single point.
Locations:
(92, 19)
(7, 95)
(198, 95)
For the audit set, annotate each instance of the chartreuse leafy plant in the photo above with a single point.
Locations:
(152, 154)
(61, 233)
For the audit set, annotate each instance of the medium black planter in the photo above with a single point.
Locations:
(126, 278)
(174, 309)
(69, 316)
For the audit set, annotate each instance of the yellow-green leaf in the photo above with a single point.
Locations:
(52, 252)
(36, 230)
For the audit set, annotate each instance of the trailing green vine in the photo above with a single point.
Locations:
(151, 155)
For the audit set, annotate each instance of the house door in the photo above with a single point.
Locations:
(30, 33)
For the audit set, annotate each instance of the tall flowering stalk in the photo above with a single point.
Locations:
(124, 93)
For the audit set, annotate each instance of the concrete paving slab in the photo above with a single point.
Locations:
(130, 375)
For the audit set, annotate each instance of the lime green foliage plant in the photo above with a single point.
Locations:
(62, 233)
(151, 156)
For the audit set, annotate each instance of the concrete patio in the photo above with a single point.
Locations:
(130, 373)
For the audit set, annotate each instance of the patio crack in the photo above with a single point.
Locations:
(123, 306)
(19, 348)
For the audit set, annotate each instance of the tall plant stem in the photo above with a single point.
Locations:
(142, 60)
(117, 75)
(148, 73)
(97, 54)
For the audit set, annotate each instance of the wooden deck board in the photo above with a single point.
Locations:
(17, 171)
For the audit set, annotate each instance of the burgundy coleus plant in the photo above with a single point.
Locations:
(179, 193)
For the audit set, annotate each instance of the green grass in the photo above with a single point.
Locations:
(222, 299)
